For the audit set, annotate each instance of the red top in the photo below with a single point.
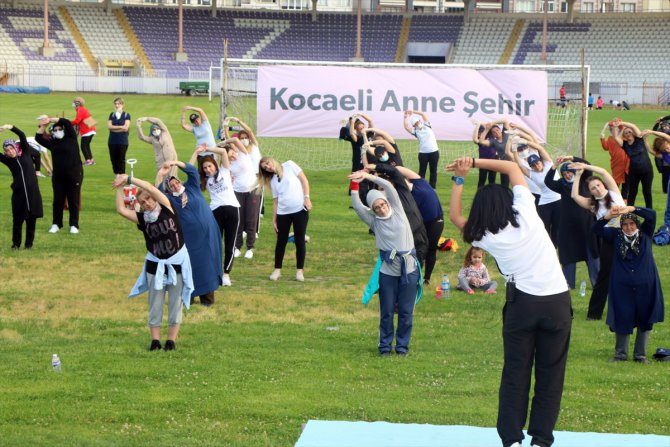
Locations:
(561, 92)
(619, 160)
(82, 114)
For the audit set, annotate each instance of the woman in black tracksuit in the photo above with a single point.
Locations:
(26, 197)
(68, 173)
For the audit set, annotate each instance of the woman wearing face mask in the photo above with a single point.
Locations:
(118, 124)
(161, 140)
(383, 148)
(417, 124)
(200, 127)
(216, 179)
(636, 297)
(399, 271)
(604, 194)
(167, 266)
(548, 206)
(68, 173)
(576, 241)
(201, 232)
(26, 197)
(252, 214)
(86, 131)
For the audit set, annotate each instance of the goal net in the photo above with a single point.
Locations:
(565, 120)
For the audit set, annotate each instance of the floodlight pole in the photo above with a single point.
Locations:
(543, 56)
(359, 20)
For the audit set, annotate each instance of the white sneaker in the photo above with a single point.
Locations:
(226, 281)
(516, 444)
(275, 275)
(244, 235)
(299, 276)
(237, 253)
(39, 174)
(54, 229)
(74, 230)
(249, 254)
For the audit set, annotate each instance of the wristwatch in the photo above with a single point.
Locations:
(458, 180)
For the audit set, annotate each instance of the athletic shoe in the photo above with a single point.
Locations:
(169, 345)
(92, 162)
(15, 247)
(274, 276)
(237, 253)
(244, 235)
(39, 174)
(299, 276)
(306, 238)
(74, 230)
(641, 360)
(516, 444)
(54, 229)
(470, 292)
(155, 345)
(490, 292)
(225, 282)
(617, 359)
(249, 254)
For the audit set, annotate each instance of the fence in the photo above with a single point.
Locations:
(79, 80)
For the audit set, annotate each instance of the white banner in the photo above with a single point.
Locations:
(309, 101)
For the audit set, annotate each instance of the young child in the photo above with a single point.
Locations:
(474, 275)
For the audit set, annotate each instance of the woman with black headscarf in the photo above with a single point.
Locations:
(635, 294)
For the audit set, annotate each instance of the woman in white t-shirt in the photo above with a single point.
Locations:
(604, 195)
(537, 316)
(244, 181)
(217, 180)
(290, 206)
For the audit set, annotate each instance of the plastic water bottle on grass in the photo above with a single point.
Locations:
(55, 363)
(446, 286)
(582, 288)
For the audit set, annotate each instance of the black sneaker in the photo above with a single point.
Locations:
(155, 345)
(169, 345)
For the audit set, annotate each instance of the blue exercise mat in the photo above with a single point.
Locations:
(385, 434)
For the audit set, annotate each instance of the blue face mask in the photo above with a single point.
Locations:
(384, 158)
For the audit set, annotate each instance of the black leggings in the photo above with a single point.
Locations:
(86, 147)
(117, 155)
(434, 230)
(483, 175)
(429, 160)
(299, 221)
(17, 228)
(228, 219)
(67, 185)
(634, 179)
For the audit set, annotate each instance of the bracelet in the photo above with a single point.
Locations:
(130, 177)
(473, 162)
(458, 180)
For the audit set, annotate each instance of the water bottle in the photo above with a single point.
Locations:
(582, 288)
(55, 363)
(446, 286)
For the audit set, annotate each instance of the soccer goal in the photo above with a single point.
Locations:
(322, 150)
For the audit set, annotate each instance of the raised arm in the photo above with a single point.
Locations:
(405, 121)
(544, 155)
(514, 155)
(140, 134)
(385, 135)
(124, 179)
(657, 134)
(574, 192)
(247, 129)
(475, 132)
(633, 127)
(608, 180)
(524, 132)
(184, 125)
(19, 133)
(388, 146)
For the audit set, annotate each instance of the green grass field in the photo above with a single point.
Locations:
(259, 363)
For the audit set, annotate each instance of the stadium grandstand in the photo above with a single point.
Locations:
(92, 41)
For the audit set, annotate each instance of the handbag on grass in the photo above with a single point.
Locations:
(90, 122)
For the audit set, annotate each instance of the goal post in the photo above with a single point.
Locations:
(565, 121)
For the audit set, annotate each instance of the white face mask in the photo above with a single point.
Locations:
(419, 126)
(74, 105)
(152, 216)
(245, 142)
(384, 158)
(156, 133)
(180, 192)
(58, 134)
